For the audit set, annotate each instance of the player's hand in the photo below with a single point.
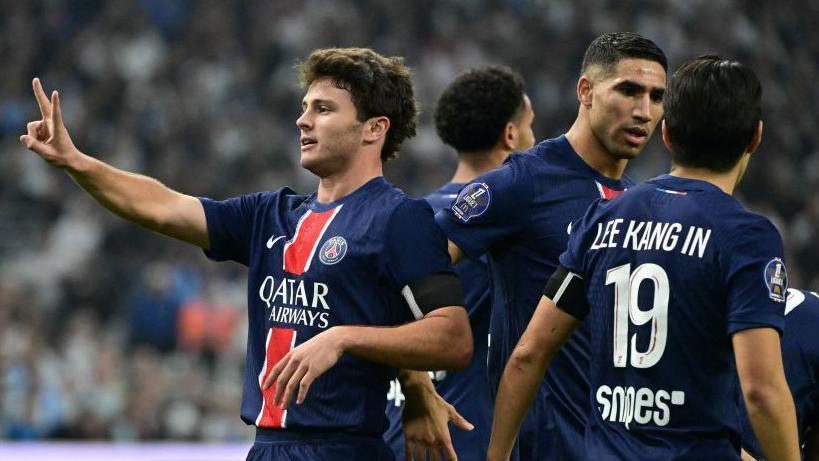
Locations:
(425, 422)
(297, 370)
(48, 137)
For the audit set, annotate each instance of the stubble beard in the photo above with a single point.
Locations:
(335, 154)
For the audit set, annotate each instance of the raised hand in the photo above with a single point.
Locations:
(48, 137)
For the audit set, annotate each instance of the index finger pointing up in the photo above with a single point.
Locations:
(42, 99)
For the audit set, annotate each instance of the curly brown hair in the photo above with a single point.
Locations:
(379, 86)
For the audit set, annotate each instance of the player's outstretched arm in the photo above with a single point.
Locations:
(137, 198)
(768, 400)
(549, 328)
(441, 340)
(426, 417)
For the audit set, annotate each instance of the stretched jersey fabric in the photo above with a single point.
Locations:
(313, 266)
(800, 356)
(468, 390)
(519, 214)
(672, 268)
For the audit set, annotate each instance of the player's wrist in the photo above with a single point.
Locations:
(78, 163)
(342, 340)
(415, 381)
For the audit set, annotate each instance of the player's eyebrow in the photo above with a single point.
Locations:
(316, 102)
(631, 86)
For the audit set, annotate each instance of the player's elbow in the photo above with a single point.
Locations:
(461, 345)
(463, 356)
(763, 395)
(524, 357)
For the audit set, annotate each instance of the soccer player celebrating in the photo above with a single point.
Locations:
(683, 289)
(330, 274)
(800, 357)
(485, 115)
(519, 215)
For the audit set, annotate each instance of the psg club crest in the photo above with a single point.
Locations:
(776, 278)
(333, 250)
(472, 201)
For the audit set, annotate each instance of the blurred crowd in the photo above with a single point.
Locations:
(108, 331)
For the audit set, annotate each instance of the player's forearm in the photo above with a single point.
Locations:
(521, 378)
(772, 415)
(441, 340)
(141, 199)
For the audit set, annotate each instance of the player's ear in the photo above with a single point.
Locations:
(756, 138)
(375, 129)
(584, 90)
(666, 139)
(509, 136)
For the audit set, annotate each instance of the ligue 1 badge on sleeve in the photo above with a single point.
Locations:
(776, 278)
(472, 201)
(333, 250)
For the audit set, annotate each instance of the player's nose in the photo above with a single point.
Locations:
(642, 109)
(304, 121)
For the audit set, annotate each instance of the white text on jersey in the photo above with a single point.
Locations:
(648, 235)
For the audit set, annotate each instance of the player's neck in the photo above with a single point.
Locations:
(339, 185)
(727, 182)
(589, 149)
(472, 165)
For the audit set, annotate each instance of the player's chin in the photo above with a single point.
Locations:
(309, 161)
(628, 151)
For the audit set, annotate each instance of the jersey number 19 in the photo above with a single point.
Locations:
(626, 294)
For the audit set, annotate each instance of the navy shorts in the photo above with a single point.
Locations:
(286, 445)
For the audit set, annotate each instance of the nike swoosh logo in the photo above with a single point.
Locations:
(271, 241)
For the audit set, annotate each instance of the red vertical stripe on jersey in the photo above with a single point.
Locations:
(607, 192)
(300, 249)
(279, 342)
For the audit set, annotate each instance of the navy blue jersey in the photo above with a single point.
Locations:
(672, 268)
(313, 266)
(520, 215)
(800, 355)
(468, 390)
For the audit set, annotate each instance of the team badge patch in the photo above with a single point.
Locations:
(472, 201)
(333, 250)
(776, 278)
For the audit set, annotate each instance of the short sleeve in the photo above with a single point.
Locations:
(415, 246)
(755, 277)
(230, 226)
(489, 209)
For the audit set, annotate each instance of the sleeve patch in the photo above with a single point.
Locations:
(472, 201)
(776, 278)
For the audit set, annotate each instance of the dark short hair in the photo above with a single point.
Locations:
(379, 86)
(474, 109)
(608, 49)
(712, 107)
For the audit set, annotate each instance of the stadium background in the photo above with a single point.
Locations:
(108, 331)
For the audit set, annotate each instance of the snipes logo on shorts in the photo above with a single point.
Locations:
(333, 250)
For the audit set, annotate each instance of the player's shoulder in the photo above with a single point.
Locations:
(743, 224)
(392, 203)
(542, 155)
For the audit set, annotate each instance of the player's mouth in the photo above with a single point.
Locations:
(636, 136)
(307, 143)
